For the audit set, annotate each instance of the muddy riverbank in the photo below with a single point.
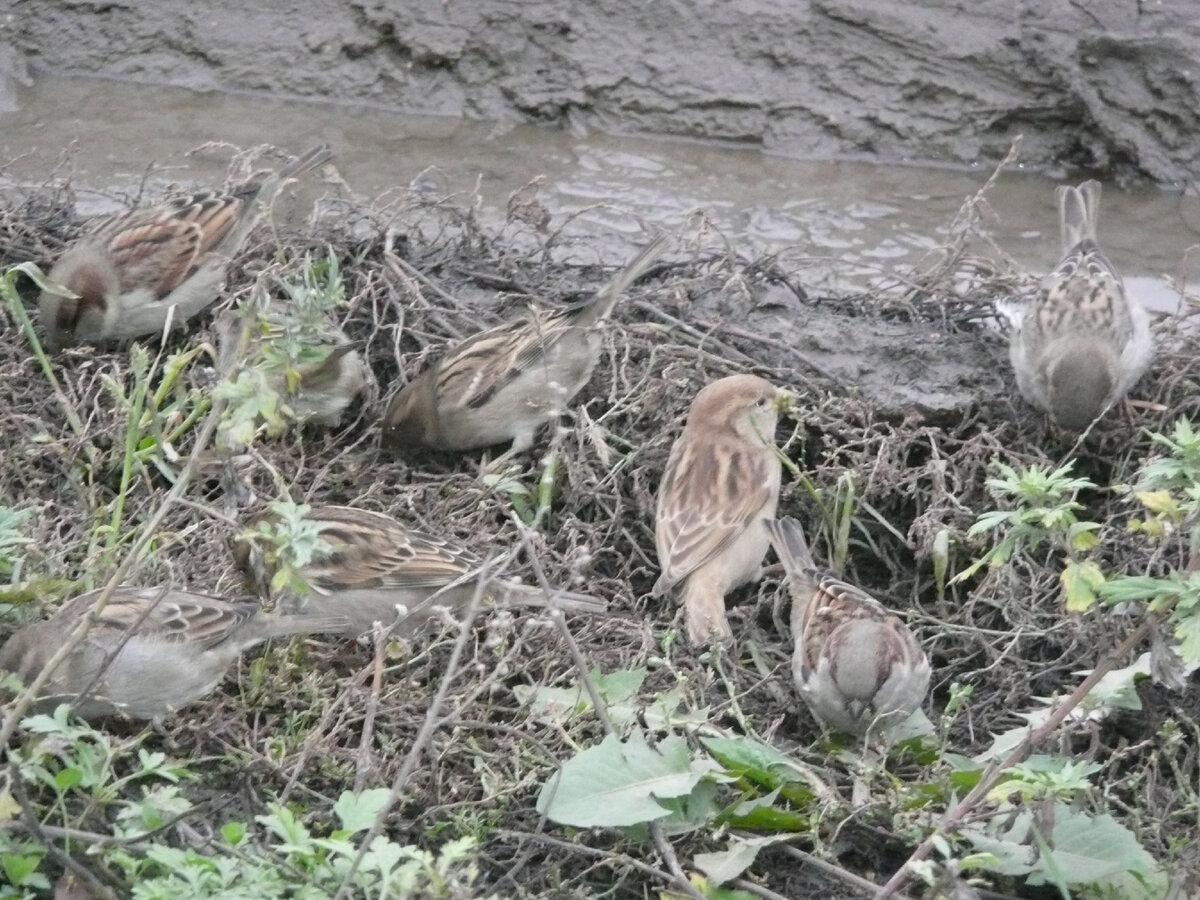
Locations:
(1106, 87)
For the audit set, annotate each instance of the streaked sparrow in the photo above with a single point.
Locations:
(722, 479)
(857, 665)
(1084, 342)
(135, 270)
(505, 383)
(373, 569)
(150, 651)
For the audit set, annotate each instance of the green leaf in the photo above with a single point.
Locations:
(1010, 855)
(38, 277)
(9, 808)
(686, 813)
(762, 764)
(1187, 632)
(761, 814)
(988, 521)
(233, 833)
(1137, 588)
(357, 812)
(1096, 850)
(616, 784)
(19, 867)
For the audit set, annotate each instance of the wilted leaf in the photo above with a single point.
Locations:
(1081, 580)
(617, 689)
(725, 865)
(1159, 502)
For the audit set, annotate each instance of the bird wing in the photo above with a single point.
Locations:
(1084, 295)
(474, 371)
(693, 524)
(174, 617)
(374, 550)
(834, 603)
(157, 248)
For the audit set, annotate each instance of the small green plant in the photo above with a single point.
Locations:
(282, 341)
(76, 770)
(1044, 510)
(12, 300)
(532, 505)
(288, 540)
(301, 337)
(283, 857)
(1042, 830)
(13, 541)
(1168, 487)
(157, 417)
(118, 799)
(653, 774)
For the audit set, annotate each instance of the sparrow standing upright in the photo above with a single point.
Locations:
(150, 651)
(375, 569)
(1084, 342)
(135, 270)
(856, 665)
(721, 481)
(505, 383)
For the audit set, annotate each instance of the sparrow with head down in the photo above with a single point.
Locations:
(505, 383)
(373, 568)
(149, 651)
(856, 665)
(134, 271)
(1084, 342)
(722, 480)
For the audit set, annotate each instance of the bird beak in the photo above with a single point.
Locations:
(785, 402)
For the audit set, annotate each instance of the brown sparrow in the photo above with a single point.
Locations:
(1083, 343)
(722, 480)
(325, 388)
(376, 569)
(505, 383)
(136, 270)
(856, 664)
(151, 650)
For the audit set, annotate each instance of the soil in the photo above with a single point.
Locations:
(904, 393)
(1104, 86)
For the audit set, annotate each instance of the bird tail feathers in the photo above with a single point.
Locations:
(606, 298)
(788, 540)
(1078, 211)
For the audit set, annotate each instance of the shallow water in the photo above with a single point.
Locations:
(854, 218)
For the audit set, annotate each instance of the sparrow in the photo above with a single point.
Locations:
(856, 665)
(505, 383)
(1084, 342)
(722, 479)
(325, 387)
(374, 568)
(136, 270)
(150, 651)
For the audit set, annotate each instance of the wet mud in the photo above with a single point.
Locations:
(1101, 86)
